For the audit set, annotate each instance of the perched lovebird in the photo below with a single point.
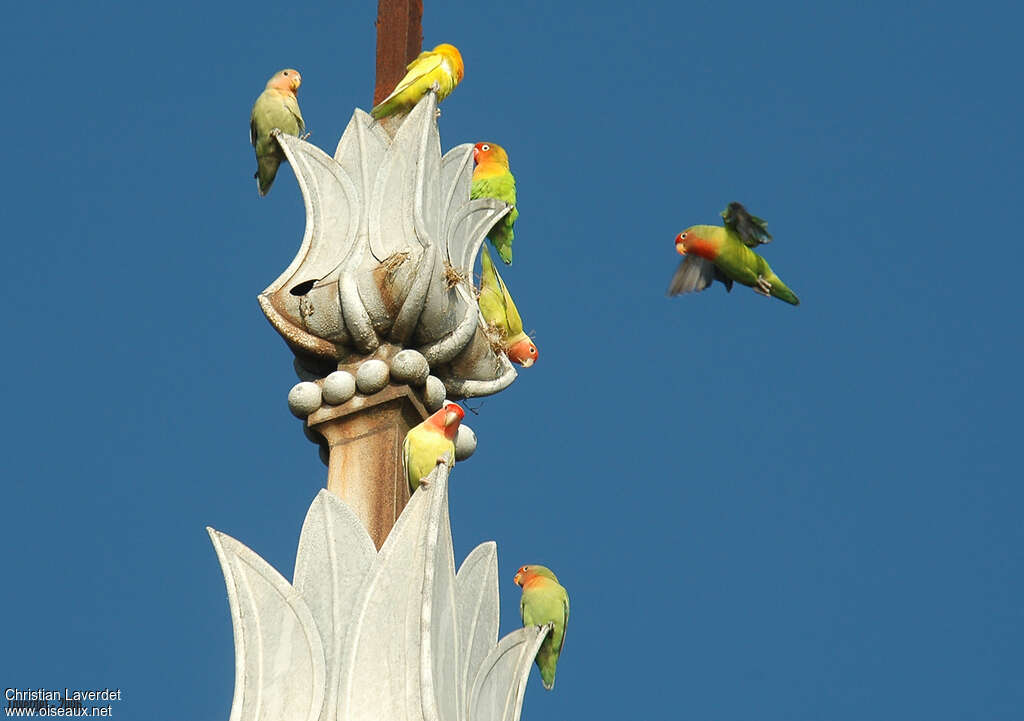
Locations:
(442, 65)
(716, 253)
(493, 179)
(277, 108)
(426, 444)
(499, 311)
(544, 601)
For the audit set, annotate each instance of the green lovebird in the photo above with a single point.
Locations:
(721, 253)
(426, 444)
(277, 108)
(493, 179)
(544, 601)
(501, 314)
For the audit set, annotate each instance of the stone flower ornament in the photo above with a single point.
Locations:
(366, 635)
(387, 258)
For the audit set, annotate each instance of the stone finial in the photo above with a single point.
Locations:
(367, 635)
(386, 262)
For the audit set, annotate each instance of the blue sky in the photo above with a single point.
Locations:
(760, 512)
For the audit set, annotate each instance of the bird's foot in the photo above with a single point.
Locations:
(435, 87)
(274, 132)
(305, 135)
(437, 112)
(763, 286)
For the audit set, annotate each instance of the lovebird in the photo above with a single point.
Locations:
(442, 65)
(500, 313)
(544, 601)
(426, 444)
(277, 108)
(493, 179)
(721, 253)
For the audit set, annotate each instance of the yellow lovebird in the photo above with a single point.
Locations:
(442, 65)
(426, 444)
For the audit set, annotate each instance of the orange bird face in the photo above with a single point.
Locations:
(681, 243)
(489, 153)
(447, 420)
(288, 80)
(524, 353)
(453, 415)
(520, 578)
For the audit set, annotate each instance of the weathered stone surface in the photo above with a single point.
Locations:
(371, 376)
(409, 366)
(434, 393)
(304, 398)
(364, 635)
(388, 253)
(465, 443)
(339, 387)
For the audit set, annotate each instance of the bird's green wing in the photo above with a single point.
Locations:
(292, 103)
(492, 296)
(515, 323)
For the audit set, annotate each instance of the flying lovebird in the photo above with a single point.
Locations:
(544, 601)
(426, 444)
(500, 313)
(277, 108)
(493, 179)
(713, 252)
(441, 66)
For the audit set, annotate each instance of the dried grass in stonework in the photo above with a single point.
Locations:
(393, 262)
(496, 338)
(452, 277)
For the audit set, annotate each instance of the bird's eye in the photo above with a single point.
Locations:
(286, 73)
(485, 146)
(682, 236)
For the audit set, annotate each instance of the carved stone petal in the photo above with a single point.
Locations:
(279, 659)
(397, 623)
(335, 554)
(497, 693)
(476, 593)
(404, 207)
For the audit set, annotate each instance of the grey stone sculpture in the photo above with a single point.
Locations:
(366, 635)
(386, 262)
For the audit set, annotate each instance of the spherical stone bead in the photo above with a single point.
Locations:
(304, 398)
(465, 443)
(339, 387)
(372, 376)
(434, 394)
(409, 366)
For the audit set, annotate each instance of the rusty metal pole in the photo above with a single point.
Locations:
(364, 435)
(399, 40)
(364, 439)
